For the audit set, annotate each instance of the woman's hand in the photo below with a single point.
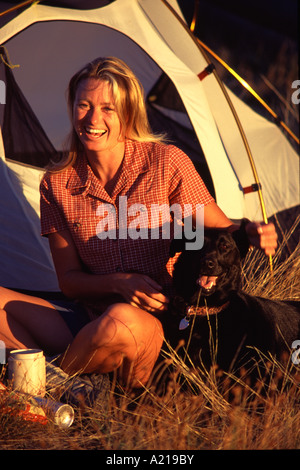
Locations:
(262, 236)
(141, 291)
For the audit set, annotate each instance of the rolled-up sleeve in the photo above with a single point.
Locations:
(52, 217)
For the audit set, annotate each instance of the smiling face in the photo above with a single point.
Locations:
(95, 118)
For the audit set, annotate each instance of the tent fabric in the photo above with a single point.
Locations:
(24, 138)
(50, 44)
(278, 163)
(26, 262)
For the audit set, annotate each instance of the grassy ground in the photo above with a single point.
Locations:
(214, 411)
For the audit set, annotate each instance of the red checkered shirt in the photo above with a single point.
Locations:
(107, 242)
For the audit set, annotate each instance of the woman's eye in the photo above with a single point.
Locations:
(82, 105)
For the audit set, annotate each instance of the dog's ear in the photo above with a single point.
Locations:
(241, 238)
(177, 246)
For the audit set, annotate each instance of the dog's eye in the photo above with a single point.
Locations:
(223, 247)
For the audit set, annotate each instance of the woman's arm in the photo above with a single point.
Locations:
(137, 289)
(261, 236)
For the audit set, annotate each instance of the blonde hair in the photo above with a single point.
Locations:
(128, 95)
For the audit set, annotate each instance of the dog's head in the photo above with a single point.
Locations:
(215, 268)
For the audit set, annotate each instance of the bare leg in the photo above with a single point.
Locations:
(124, 338)
(31, 322)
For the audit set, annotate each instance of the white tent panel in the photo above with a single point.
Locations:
(277, 163)
(26, 262)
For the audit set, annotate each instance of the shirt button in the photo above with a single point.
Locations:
(76, 225)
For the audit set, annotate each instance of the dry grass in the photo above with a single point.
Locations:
(212, 411)
(281, 280)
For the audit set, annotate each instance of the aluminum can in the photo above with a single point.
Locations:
(60, 413)
(35, 409)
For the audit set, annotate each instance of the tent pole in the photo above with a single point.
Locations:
(236, 118)
(250, 89)
(239, 78)
(20, 5)
(245, 141)
(246, 144)
(195, 15)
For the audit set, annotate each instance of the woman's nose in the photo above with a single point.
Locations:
(95, 116)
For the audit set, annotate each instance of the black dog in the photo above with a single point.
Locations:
(221, 323)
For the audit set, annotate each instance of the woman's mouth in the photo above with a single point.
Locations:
(93, 132)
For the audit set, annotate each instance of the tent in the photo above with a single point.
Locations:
(43, 45)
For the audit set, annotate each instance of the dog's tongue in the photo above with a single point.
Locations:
(207, 281)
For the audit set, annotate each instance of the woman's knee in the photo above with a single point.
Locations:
(123, 324)
(6, 295)
(128, 317)
(124, 338)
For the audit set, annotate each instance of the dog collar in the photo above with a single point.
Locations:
(204, 310)
(199, 311)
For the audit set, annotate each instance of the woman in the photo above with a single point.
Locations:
(119, 280)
